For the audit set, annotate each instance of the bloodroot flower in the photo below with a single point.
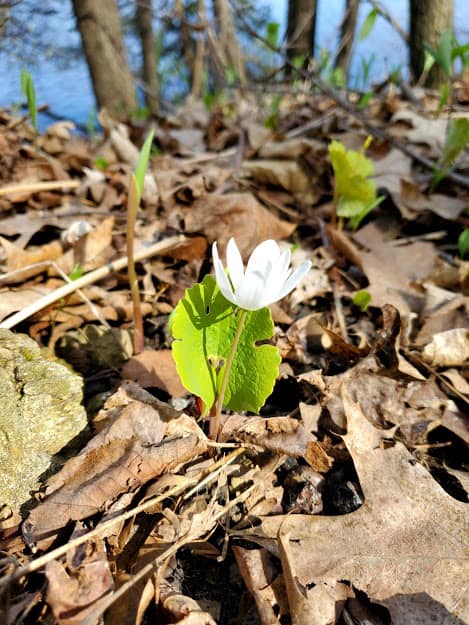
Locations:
(266, 280)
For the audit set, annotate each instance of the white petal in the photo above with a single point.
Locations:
(250, 292)
(234, 263)
(294, 279)
(262, 254)
(221, 277)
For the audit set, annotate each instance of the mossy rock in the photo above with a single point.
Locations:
(40, 413)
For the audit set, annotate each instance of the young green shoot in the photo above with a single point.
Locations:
(221, 329)
(28, 90)
(137, 180)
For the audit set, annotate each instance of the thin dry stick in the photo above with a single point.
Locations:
(151, 566)
(90, 278)
(37, 564)
(329, 90)
(35, 187)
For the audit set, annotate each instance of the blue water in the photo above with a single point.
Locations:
(67, 89)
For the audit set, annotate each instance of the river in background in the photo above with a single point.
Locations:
(66, 87)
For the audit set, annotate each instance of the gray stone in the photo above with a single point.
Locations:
(40, 413)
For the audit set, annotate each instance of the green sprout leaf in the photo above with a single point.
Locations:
(463, 243)
(362, 299)
(141, 167)
(368, 24)
(28, 90)
(203, 327)
(457, 138)
(272, 31)
(77, 272)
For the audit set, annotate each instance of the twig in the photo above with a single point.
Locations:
(90, 278)
(152, 566)
(389, 18)
(38, 563)
(330, 91)
(35, 187)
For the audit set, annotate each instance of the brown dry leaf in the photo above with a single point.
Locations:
(411, 198)
(75, 587)
(291, 148)
(258, 571)
(391, 270)
(448, 349)
(281, 435)
(18, 258)
(136, 444)
(91, 250)
(12, 301)
(286, 174)
(154, 368)
(220, 217)
(430, 131)
(405, 547)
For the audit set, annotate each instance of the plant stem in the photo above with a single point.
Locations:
(215, 420)
(132, 209)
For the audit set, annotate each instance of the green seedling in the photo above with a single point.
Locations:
(463, 243)
(77, 272)
(354, 192)
(362, 299)
(137, 180)
(368, 24)
(101, 163)
(271, 121)
(222, 326)
(457, 138)
(28, 90)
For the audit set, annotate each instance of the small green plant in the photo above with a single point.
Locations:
(368, 24)
(463, 243)
(137, 180)
(354, 192)
(457, 138)
(28, 90)
(101, 163)
(221, 329)
(271, 121)
(77, 272)
(91, 122)
(362, 299)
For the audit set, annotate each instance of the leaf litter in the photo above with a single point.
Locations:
(345, 498)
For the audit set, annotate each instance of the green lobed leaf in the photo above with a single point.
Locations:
(351, 169)
(203, 327)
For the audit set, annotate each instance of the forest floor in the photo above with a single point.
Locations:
(345, 499)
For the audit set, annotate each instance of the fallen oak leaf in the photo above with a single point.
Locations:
(404, 546)
(134, 446)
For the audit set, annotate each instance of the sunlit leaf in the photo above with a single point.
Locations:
(362, 299)
(272, 33)
(463, 243)
(368, 24)
(203, 327)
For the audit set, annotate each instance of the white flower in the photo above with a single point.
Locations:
(267, 278)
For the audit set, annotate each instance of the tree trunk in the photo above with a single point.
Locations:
(347, 33)
(228, 40)
(199, 57)
(301, 27)
(428, 19)
(143, 16)
(103, 43)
